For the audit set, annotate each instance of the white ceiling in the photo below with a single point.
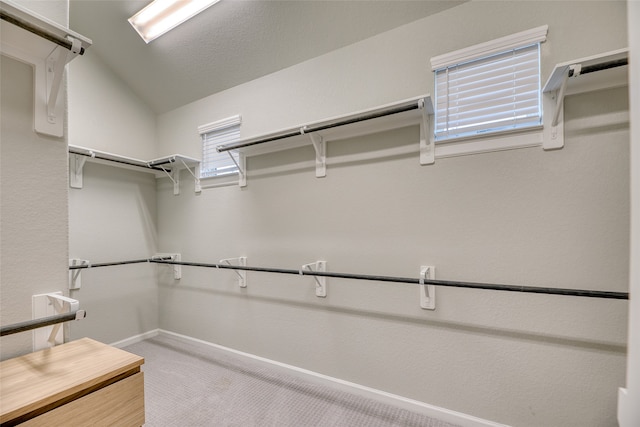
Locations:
(232, 42)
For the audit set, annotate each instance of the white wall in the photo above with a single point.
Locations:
(113, 217)
(33, 199)
(526, 216)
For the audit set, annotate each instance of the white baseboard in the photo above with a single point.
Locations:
(360, 390)
(136, 338)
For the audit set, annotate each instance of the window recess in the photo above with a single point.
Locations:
(485, 92)
(48, 47)
(169, 166)
(602, 71)
(413, 111)
(217, 164)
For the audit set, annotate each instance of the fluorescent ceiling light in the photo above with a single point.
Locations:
(160, 16)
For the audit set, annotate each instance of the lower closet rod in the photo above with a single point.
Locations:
(110, 264)
(446, 283)
(40, 323)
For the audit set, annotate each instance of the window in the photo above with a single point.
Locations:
(489, 88)
(216, 164)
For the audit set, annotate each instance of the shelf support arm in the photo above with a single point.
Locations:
(320, 146)
(242, 275)
(321, 282)
(55, 64)
(195, 174)
(241, 164)
(427, 144)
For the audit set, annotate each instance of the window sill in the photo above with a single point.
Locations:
(531, 137)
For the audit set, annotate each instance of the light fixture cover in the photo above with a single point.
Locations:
(160, 16)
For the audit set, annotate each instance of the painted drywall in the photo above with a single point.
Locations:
(113, 217)
(105, 114)
(33, 199)
(628, 409)
(557, 218)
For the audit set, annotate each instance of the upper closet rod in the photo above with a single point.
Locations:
(124, 162)
(601, 66)
(40, 323)
(447, 283)
(60, 41)
(316, 128)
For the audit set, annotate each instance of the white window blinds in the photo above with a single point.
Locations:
(490, 87)
(223, 132)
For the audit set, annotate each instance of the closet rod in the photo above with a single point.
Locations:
(602, 66)
(446, 283)
(60, 41)
(109, 264)
(124, 162)
(316, 128)
(40, 323)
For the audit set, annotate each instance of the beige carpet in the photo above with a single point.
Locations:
(195, 385)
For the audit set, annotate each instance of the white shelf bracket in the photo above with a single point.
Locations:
(55, 63)
(241, 164)
(50, 304)
(242, 275)
(554, 139)
(427, 143)
(174, 176)
(74, 275)
(195, 174)
(321, 282)
(427, 292)
(76, 167)
(177, 269)
(320, 146)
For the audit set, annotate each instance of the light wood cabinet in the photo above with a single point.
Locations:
(80, 383)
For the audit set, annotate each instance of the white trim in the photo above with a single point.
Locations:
(488, 144)
(220, 124)
(136, 338)
(513, 41)
(360, 390)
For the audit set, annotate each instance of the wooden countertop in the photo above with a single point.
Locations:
(49, 378)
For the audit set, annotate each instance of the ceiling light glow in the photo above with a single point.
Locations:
(160, 16)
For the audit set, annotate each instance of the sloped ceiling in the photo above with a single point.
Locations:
(232, 42)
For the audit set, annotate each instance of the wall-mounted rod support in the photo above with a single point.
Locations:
(40, 323)
(411, 280)
(18, 22)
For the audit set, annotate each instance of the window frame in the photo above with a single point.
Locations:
(218, 126)
(502, 139)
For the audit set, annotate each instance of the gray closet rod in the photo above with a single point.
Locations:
(124, 162)
(60, 41)
(601, 66)
(40, 323)
(306, 130)
(446, 283)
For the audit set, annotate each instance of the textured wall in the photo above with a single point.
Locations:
(33, 199)
(525, 216)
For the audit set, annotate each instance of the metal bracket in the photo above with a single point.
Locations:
(195, 174)
(555, 137)
(427, 292)
(177, 269)
(321, 282)
(45, 305)
(320, 146)
(174, 176)
(76, 166)
(74, 275)
(427, 143)
(242, 275)
(241, 164)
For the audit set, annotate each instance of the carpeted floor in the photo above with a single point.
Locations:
(189, 384)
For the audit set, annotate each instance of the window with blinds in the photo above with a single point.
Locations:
(219, 133)
(489, 88)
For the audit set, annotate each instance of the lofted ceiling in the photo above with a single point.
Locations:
(232, 42)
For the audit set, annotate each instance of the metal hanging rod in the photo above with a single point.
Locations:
(319, 127)
(124, 162)
(601, 66)
(110, 264)
(40, 323)
(15, 20)
(411, 280)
